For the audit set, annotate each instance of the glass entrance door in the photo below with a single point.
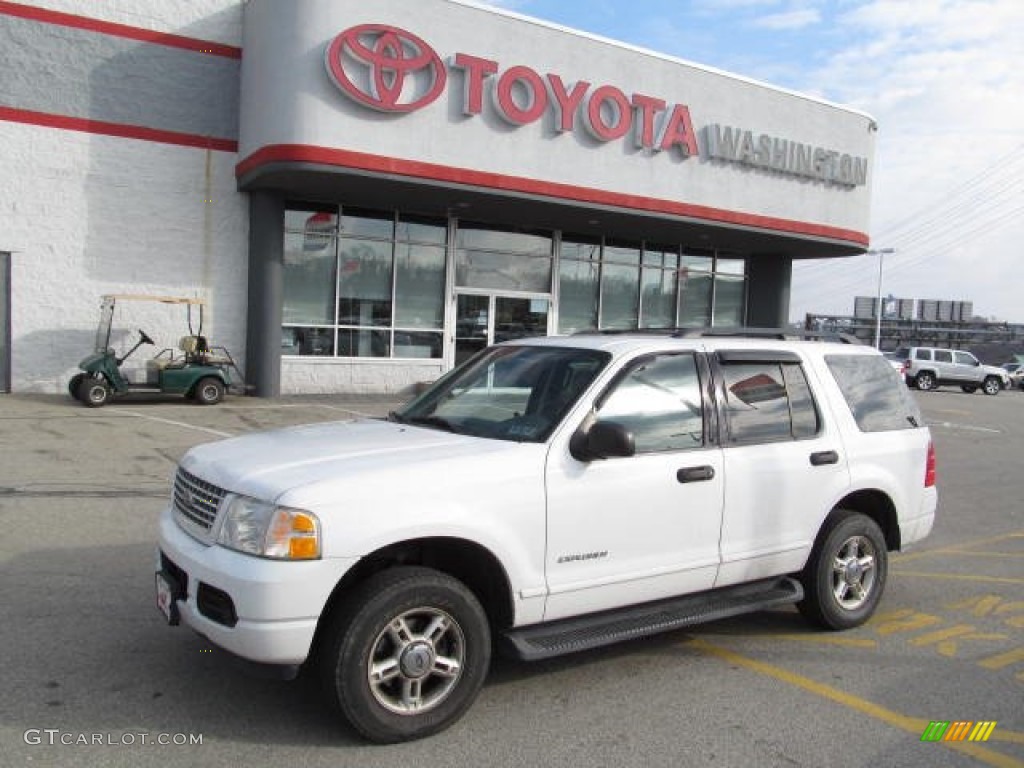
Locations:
(485, 319)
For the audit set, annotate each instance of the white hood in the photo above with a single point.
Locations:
(267, 465)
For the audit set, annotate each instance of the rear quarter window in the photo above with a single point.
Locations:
(875, 393)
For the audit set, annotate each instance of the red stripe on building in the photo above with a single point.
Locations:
(300, 153)
(119, 30)
(120, 130)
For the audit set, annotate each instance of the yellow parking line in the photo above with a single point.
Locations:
(821, 637)
(899, 558)
(912, 725)
(961, 577)
(1003, 659)
(1017, 555)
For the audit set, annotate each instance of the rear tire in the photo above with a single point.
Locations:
(406, 655)
(93, 392)
(925, 381)
(208, 391)
(73, 384)
(845, 575)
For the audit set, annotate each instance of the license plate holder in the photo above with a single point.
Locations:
(168, 592)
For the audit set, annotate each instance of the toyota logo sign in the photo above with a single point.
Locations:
(386, 68)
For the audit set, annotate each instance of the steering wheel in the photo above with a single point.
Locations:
(145, 339)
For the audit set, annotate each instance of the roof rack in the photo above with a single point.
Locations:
(780, 334)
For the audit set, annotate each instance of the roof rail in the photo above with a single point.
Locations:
(738, 332)
(770, 333)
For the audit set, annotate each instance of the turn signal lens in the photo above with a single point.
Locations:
(303, 549)
(293, 534)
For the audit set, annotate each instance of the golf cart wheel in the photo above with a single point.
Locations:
(208, 391)
(94, 393)
(74, 383)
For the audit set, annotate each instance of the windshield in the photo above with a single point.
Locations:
(517, 393)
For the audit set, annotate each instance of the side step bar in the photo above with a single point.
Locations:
(542, 641)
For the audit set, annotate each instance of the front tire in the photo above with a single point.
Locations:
(407, 654)
(845, 575)
(93, 392)
(992, 386)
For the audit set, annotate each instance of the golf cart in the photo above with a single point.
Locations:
(195, 369)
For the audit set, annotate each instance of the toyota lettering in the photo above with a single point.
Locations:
(391, 70)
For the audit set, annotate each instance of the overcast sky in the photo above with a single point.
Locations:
(944, 80)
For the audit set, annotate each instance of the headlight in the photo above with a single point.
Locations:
(267, 530)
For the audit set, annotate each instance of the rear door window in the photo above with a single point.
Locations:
(767, 400)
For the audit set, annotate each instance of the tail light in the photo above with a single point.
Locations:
(929, 467)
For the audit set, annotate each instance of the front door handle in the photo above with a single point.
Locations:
(695, 474)
(824, 457)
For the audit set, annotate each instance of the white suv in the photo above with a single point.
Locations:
(929, 367)
(548, 496)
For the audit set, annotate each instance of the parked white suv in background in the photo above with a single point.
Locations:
(549, 495)
(930, 367)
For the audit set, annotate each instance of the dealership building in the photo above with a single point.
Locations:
(366, 193)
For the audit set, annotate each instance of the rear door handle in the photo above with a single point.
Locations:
(695, 474)
(824, 457)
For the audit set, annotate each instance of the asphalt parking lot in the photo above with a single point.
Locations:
(93, 676)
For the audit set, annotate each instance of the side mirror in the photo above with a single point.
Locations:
(602, 440)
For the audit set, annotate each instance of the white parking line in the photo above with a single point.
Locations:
(964, 427)
(182, 424)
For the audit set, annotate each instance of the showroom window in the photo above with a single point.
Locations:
(579, 283)
(498, 259)
(621, 286)
(696, 284)
(362, 283)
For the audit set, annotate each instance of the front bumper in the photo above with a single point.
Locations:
(265, 611)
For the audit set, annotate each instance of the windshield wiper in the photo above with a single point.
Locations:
(434, 421)
(396, 417)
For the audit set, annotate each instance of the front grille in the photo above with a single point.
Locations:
(196, 501)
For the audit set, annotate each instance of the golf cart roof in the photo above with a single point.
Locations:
(147, 297)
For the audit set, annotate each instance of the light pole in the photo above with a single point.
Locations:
(878, 300)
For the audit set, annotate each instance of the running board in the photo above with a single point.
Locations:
(542, 641)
